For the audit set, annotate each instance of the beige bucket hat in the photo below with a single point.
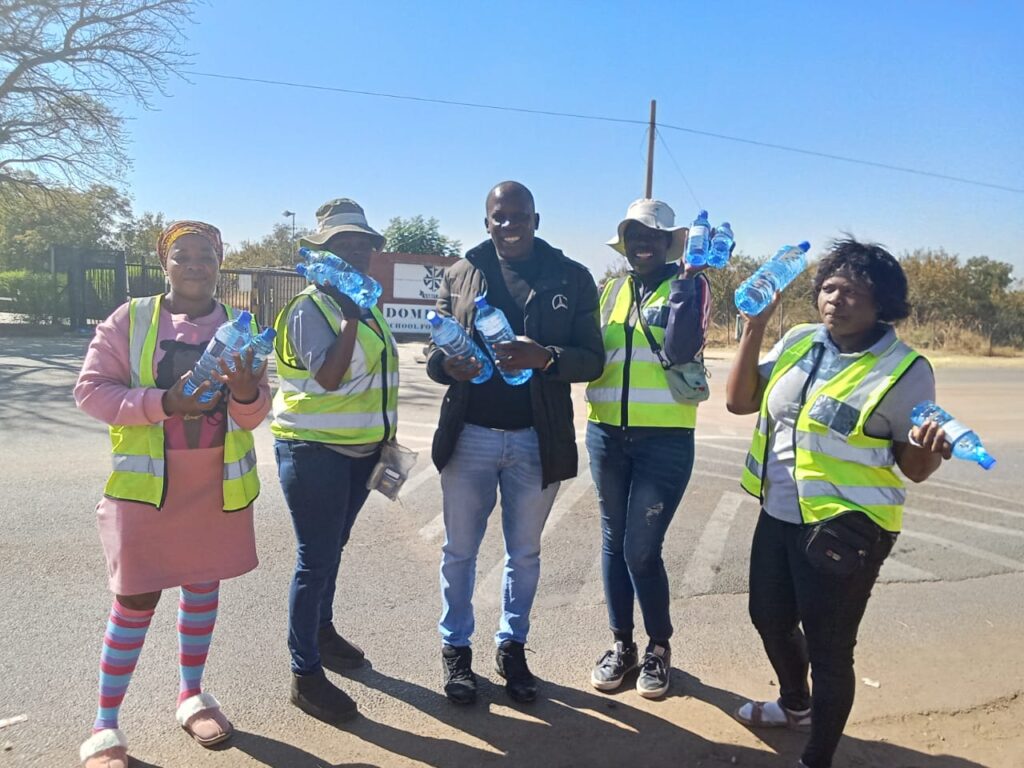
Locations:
(656, 215)
(340, 215)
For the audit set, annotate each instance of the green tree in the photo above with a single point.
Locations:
(139, 235)
(419, 235)
(36, 219)
(65, 67)
(274, 250)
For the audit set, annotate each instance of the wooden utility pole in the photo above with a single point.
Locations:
(650, 153)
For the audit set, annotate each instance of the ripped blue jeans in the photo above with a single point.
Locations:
(640, 477)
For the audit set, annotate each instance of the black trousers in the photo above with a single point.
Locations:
(785, 593)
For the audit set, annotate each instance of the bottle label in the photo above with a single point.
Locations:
(954, 430)
(698, 234)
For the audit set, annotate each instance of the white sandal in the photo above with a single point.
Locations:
(753, 714)
(105, 749)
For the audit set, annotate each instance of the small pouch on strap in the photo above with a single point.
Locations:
(392, 470)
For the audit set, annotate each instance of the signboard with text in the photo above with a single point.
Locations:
(408, 318)
(417, 281)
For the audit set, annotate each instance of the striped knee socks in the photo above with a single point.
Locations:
(122, 644)
(197, 613)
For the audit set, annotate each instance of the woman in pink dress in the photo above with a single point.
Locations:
(177, 509)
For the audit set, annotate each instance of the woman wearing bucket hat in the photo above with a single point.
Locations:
(640, 433)
(336, 405)
(177, 509)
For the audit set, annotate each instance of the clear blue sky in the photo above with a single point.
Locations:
(936, 85)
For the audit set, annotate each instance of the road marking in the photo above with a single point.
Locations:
(702, 568)
(894, 570)
(1001, 530)
(981, 554)
(969, 505)
(970, 490)
(488, 589)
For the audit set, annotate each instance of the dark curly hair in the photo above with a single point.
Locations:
(875, 266)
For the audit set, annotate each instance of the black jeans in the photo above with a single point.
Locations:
(785, 592)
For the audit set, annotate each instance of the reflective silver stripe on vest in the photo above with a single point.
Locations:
(837, 448)
(613, 297)
(132, 463)
(640, 355)
(862, 495)
(143, 309)
(235, 470)
(331, 421)
(753, 465)
(879, 374)
(351, 387)
(642, 396)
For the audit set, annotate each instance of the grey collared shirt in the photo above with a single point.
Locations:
(890, 420)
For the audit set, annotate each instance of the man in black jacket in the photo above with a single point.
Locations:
(519, 438)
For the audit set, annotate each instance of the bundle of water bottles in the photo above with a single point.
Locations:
(703, 249)
(493, 327)
(233, 336)
(323, 268)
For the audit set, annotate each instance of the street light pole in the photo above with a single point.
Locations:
(286, 214)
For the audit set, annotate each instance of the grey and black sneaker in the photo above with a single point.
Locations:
(652, 682)
(336, 653)
(614, 665)
(510, 663)
(459, 680)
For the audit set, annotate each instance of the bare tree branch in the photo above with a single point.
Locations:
(64, 66)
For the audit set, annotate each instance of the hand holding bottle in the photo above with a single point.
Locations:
(760, 320)
(462, 368)
(932, 438)
(240, 377)
(522, 354)
(176, 403)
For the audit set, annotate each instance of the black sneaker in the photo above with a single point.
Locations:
(613, 666)
(654, 672)
(510, 663)
(317, 696)
(337, 653)
(459, 680)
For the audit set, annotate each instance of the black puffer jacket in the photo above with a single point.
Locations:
(562, 312)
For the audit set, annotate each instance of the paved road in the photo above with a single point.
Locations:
(951, 589)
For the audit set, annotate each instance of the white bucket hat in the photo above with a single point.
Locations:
(655, 215)
(340, 215)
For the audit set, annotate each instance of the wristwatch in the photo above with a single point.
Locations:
(552, 363)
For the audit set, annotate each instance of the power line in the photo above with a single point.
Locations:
(679, 168)
(608, 119)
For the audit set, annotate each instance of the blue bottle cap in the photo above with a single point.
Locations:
(480, 302)
(304, 251)
(301, 269)
(986, 462)
(703, 214)
(804, 246)
(433, 318)
(269, 334)
(244, 318)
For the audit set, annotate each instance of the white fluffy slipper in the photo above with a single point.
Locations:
(201, 717)
(101, 741)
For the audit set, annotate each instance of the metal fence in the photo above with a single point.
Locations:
(100, 281)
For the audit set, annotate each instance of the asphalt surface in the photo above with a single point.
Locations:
(944, 629)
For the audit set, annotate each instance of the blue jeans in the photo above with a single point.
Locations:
(324, 491)
(640, 481)
(485, 460)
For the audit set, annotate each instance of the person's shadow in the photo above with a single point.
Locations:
(569, 727)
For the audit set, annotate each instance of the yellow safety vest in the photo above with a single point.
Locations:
(364, 408)
(837, 469)
(138, 450)
(633, 382)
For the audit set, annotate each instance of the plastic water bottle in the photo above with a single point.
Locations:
(494, 328)
(698, 242)
(721, 246)
(453, 340)
(757, 291)
(966, 444)
(324, 268)
(262, 346)
(229, 338)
